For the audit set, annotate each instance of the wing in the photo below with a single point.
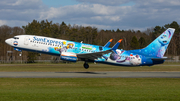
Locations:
(92, 56)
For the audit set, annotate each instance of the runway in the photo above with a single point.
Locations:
(90, 74)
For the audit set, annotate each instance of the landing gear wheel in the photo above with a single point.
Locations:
(86, 66)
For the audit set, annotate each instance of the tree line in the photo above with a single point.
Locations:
(131, 39)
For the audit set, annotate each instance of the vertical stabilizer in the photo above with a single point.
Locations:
(158, 47)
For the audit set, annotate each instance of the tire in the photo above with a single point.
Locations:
(86, 65)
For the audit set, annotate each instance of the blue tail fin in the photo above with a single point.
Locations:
(158, 47)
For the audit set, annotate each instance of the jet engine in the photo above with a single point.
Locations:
(66, 56)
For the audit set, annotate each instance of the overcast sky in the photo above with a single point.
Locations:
(103, 14)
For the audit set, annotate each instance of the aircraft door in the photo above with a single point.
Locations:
(26, 40)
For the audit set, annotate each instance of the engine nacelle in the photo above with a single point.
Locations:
(68, 56)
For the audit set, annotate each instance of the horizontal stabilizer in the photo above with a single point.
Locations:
(108, 43)
(163, 58)
(116, 45)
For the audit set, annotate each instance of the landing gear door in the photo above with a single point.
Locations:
(26, 40)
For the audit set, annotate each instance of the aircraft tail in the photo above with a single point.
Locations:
(158, 47)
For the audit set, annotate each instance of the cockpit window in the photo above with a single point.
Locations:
(16, 37)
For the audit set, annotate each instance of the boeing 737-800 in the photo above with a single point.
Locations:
(75, 51)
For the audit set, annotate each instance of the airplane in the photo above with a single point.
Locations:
(77, 51)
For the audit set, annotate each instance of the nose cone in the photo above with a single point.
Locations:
(8, 41)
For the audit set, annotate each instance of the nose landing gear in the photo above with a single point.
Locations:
(86, 65)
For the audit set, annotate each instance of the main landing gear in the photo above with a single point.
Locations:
(86, 65)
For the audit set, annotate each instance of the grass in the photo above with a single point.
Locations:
(89, 89)
(79, 67)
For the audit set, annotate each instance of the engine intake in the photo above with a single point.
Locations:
(68, 57)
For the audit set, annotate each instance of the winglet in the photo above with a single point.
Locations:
(117, 45)
(108, 43)
(120, 40)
